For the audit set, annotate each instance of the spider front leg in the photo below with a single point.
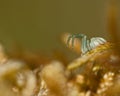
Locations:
(69, 39)
(73, 38)
(84, 41)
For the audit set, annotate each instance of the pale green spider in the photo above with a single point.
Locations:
(86, 44)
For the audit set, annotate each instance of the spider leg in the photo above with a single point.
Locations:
(92, 43)
(88, 45)
(81, 37)
(84, 42)
(73, 38)
(68, 40)
(101, 40)
(96, 41)
(84, 47)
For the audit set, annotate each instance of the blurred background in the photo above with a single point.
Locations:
(37, 25)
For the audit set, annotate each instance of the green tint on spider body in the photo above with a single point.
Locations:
(86, 44)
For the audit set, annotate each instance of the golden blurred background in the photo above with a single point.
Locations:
(38, 24)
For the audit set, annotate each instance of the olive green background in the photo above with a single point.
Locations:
(38, 24)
